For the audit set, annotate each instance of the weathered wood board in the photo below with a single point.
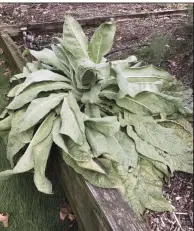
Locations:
(12, 53)
(96, 209)
(57, 26)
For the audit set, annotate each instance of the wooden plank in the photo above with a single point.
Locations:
(57, 26)
(12, 53)
(95, 208)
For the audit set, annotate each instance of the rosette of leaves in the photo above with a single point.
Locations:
(117, 123)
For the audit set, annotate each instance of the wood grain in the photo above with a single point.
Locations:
(57, 26)
(12, 53)
(96, 209)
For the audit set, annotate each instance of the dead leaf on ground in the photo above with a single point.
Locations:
(66, 211)
(2, 62)
(172, 63)
(71, 217)
(7, 73)
(4, 219)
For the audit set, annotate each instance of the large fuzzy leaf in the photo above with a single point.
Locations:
(32, 67)
(16, 139)
(76, 110)
(92, 110)
(5, 124)
(129, 149)
(40, 76)
(132, 81)
(90, 165)
(75, 40)
(158, 136)
(3, 114)
(17, 77)
(13, 91)
(143, 189)
(144, 147)
(155, 103)
(26, 162)
(119, 148)
(41, 153)
(91, 96)
(49, 57)
(72, 59)
(70, 125)
(79, 152)
(149, 73)
(32, 92)
(146, 103)
(58, 137)
(86, 75)
(101, 41)
(182, 162)
(38, 109)
(179, 162)
(107, 180)
(24, 74)
(107, 125)
(62, 57)
(129, 103)
(125, 63)
(181, 128)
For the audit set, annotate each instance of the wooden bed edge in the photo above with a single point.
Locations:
(12, 53)
(15, 30)
(96, 209)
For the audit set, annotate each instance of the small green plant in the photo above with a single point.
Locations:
(25, 52)
(156, 51)
(117, 124)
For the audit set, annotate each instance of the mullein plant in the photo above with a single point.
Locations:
(117, 123)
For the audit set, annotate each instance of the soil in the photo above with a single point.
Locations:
(131, 34)
(42, 12)
(165, 41)
(179, 191)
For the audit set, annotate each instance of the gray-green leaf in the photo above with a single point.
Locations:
(5, 124)
(101, 41)
(41, 153)
(158, 136)
(107, 125)
(32, 92)
(26, 162)
(16, 139)
(38, 109)
(70, 126)
(40, 76)
(75, 40)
